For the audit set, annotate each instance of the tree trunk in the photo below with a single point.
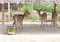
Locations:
(2, 17)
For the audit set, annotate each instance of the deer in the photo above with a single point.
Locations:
(43, 17)
(54, 16)
(18, 21)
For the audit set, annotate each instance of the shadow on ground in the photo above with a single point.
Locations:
(35, 29)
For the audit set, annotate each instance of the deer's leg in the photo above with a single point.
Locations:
(18, 28)
(15, 28)
(41, 23)
(45, 23)
(54, 23)
(21, 27)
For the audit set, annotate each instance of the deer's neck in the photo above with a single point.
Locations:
(39, 13)
(24, 14)
(54, 7)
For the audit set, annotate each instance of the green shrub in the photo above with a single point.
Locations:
(27, 7)
(33, 17)
(58, 18)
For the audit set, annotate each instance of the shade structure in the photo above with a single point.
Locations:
(56, 1)
(14, 1)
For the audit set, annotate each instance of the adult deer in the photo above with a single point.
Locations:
(18, 21)
(54, 15)
(43, 17)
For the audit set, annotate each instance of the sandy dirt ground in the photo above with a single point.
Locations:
(32, 33)
(30, 38)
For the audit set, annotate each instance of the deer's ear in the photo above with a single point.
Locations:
(40, 9)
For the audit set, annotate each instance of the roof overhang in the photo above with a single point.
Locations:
(23, 1)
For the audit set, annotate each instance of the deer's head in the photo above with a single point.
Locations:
(26, 13)
(14, 16)
(38, 11)
(55, 4)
